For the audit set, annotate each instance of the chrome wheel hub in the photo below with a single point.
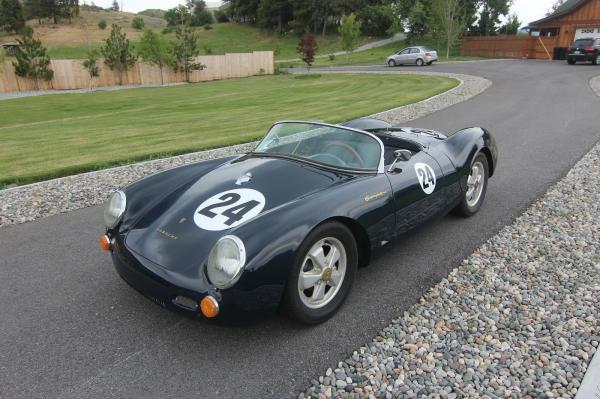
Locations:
(322, 272)
(475, 184)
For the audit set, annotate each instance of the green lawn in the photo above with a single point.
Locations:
(63, 134)
(226, 38)
(376, 56)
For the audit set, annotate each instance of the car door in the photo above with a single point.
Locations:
(403, 56)
(414, 55)
(417, 190)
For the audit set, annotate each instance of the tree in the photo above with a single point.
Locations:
(419, 21)
(154, 49)
(54, 9)
(102, 24)
(115, 6)
(11, 16)
(91, 65)
(307, 48)
(554, 7)
(179, 15)
(449, 18)
(32, 61)
(200, 15)
(117, 52)
(511, 27)
(185, 50)
(350, 31)
(376, 20)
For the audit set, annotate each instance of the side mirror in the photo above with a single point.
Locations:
(401, 156)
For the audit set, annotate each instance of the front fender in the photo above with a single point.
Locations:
(272, 240)
(465, 144)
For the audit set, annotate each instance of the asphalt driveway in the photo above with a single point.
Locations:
(69, 327)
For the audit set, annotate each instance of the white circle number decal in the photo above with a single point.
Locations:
(229, 209)
(426, 177)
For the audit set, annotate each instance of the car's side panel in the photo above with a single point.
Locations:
(272, 239)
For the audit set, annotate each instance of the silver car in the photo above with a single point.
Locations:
(416, 55)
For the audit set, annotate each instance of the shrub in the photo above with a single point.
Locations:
(138, 23)
(207, 49)
(331, 57)
(221, 16)
(208, 27)
(102, 24)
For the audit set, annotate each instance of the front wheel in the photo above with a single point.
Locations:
(477, 182)
(420, 62)
(322, 274)
(596, 60)
(391, 63)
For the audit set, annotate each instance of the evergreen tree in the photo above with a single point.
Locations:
(117, 52)
(154, 49)
(185, 50)
(31, 60)
(115, 6)
(11, 16)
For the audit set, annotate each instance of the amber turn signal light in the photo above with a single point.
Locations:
(105, 243)
(209, 307)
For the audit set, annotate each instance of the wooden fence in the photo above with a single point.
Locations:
(508, 46)
(70, 74)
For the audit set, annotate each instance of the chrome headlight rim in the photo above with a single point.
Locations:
(121, 210)
(241, 250)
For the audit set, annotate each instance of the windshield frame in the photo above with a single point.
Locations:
(380, 166)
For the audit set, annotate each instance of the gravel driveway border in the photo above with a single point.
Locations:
(517, 319)
(34, 201)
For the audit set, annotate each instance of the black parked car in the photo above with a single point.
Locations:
(584, 50)
(290, 222)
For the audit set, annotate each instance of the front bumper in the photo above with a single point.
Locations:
(235, 304)
(588, 57)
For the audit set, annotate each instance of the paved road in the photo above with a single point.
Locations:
(71, 328)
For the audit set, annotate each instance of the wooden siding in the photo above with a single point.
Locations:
(586, 15)
(70, 74)
(508, 46)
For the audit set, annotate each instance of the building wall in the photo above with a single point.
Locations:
(587, 15)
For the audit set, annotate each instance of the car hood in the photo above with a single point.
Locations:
(176, 236)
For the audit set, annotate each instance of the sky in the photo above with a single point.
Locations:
(527, 10)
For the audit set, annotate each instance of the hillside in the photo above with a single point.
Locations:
(76, 39)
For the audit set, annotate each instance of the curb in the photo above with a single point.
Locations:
(590, 386)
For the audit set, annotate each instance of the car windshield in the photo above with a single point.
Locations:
(583, 42)
(328, 145)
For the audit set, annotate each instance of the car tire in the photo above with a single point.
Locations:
(571, 61)
(391, 63)
(596, 59)
(301, 303)
(477, 180)
(420, 62)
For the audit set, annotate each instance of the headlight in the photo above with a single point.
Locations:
(114, 209)
(226, 261)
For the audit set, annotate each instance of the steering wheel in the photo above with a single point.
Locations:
(323, 158)
(349, 149)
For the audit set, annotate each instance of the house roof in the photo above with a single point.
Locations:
(563, 9)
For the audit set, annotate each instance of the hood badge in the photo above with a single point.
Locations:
(243, 179)
(166, 233)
